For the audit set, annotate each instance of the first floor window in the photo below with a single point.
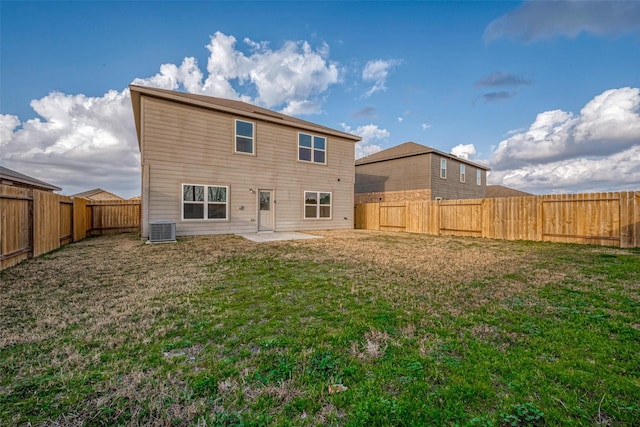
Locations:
(443, 168)
(317, 204)
(478, 177)
(463, 173)
(205, 202)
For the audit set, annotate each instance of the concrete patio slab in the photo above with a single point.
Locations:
(273, 236)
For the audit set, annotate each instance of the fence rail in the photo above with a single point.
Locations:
(608, 219)
(34, 222)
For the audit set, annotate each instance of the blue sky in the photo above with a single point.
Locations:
(547, 94)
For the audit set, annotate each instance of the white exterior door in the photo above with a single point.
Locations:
(266, 213)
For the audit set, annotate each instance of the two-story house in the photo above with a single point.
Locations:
(214, 165)
(412, 171)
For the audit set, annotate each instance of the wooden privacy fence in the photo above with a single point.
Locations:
(34, 222)
(608, 219)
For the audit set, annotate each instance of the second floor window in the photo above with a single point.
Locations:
(245, 140)
(478, 177)
(443, 168)
(312, 148)
(463, 173)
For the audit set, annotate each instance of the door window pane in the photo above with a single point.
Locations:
(265, 202)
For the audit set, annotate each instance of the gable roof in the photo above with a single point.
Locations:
(89, 193)
(496, 191)
(11, 175)
(409, 149)
(231, 106)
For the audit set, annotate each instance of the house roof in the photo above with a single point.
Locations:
(11, 175)
(230, 106)
(409, 149)
(89, 193)
(496, 191)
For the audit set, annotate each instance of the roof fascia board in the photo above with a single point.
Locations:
(40, 184)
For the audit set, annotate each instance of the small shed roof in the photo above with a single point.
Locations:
(90, 193)
(231, 106)
(7, 174)
(410, 149)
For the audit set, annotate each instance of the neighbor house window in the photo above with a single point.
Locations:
(245, 139)
(443, 168)
(317, 204)
(312, 148)
(205, 202)
(463, 173)
(478, 177)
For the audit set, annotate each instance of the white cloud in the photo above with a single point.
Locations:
(535, 20)
(79, 143)
(425, 126)
(292, 77)
(8, 123)
(377, 71)
(370, 134)
(598, 148)
(465, 151)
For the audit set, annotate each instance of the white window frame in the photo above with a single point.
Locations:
(443, 168)
(313, 148)
(252, 138)
(478, 177)
(205, 203)
(317, 205)
(463, 173)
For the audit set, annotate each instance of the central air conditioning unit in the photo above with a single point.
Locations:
(162, 231)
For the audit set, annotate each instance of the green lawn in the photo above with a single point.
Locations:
(422, 330)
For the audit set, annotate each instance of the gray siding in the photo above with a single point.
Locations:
(189, 145)
(451, 187)
(408, 173)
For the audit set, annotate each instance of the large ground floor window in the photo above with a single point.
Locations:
(208, 202)
(317, 204)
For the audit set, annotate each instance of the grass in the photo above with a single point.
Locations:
(422, 330)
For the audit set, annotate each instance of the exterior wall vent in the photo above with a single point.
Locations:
(162, 231)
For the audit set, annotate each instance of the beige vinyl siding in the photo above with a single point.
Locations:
(191, 145)
(407, 173)
(451, 187)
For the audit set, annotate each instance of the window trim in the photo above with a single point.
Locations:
(478, 177)
(463, 172)
(235, 137)
(317, 205)
(205, 203)
(313, 149)
(443, 170)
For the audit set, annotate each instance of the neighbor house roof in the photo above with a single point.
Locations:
(12, 176)
(229, 106)
(90, 193)
(496, 191)
(410, 149)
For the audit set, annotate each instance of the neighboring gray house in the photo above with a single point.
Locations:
(412, 171)
(16, 179)
(216, 165)
(499, 191)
